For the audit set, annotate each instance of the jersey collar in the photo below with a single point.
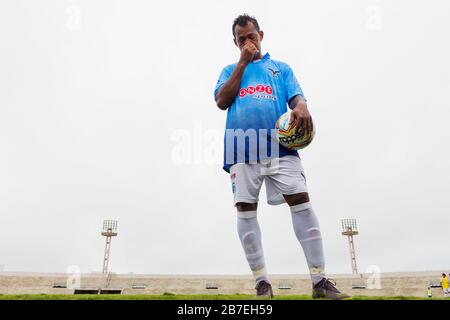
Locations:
(265, 57)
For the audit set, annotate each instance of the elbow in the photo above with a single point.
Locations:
(221, 107)
(221, 104)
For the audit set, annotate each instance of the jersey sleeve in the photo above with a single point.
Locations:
(292, 87)
(224, 75)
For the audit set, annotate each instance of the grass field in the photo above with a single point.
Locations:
(170, 296)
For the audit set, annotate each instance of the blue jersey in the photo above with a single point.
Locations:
(266, 88)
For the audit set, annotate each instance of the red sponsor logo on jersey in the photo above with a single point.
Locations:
(251, 90)
(260, 88)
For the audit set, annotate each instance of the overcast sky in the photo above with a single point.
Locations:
(107, 111)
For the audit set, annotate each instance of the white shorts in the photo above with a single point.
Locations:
(283, 176)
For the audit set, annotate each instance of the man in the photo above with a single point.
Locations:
(444, 284)
(256, 91)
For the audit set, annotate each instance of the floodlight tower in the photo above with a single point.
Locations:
(109, 231)
(350, 229)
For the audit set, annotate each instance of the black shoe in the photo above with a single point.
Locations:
(326, 289)
(264, 289)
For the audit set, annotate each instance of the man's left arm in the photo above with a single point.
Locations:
(300, 114)
(296, 100)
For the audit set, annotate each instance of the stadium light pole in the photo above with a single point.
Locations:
(109, 231)
(350, 229)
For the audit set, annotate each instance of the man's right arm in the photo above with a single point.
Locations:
(229, 90)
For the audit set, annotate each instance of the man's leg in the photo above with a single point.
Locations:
(288, 184)
(247, 181)
(307, 230)
(250, 236)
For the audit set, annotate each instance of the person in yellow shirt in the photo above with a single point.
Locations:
(444, 284)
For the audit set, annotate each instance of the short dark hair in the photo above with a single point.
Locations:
(242, 21)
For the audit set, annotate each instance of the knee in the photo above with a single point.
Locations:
(296, 199)
(243, 206)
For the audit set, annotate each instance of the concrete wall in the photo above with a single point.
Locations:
(392, 284)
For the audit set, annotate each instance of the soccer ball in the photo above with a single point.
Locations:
(290, 137)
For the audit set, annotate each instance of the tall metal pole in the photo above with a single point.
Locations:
(109, 231)
(106, 257)
(352, 254)
(349, 229)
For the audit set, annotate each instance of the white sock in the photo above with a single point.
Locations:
(306, 227)
(250, 236)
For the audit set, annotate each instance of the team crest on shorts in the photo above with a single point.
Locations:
(233, 182)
